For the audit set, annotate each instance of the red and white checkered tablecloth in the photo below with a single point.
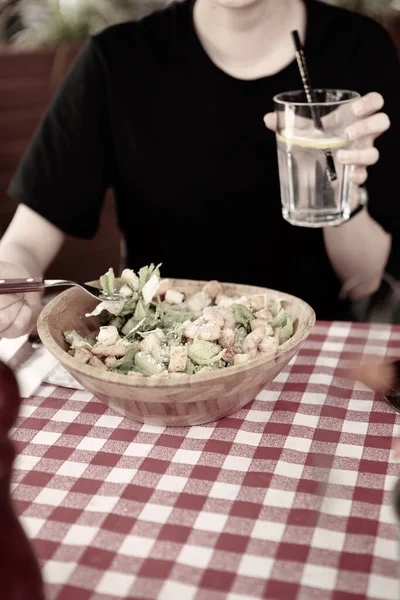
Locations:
(227, 511)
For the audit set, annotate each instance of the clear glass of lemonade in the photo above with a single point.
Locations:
(316, 190)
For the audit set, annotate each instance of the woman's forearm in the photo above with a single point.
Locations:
(359, 250)
(17, 254)
(30, 241)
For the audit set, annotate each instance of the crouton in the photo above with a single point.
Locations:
(258, 301)
(82, 355)
(174, 297)
(264, 314)
(96, 362)
(227, 301)
(116, 350)
(163, 287)
(109, 361)
(75, 340)
(178, 359)
(212, 289)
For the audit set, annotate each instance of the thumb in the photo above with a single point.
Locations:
(270, 121)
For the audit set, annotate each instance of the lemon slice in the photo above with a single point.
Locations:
(313, 139)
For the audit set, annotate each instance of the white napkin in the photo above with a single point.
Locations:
(10, 347)
(59, 376)
(31, 374)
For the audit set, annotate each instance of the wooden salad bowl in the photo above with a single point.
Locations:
(187, 400)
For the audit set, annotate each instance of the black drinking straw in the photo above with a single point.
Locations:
(308, 89)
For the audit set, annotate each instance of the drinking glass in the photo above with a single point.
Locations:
(316, 190)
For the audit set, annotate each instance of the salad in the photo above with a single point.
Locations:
(157, 331)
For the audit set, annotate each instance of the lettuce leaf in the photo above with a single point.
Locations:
(205, 353)
(157, 330)
(75, 340)
(243, 316)
(140, 311)
(196, 303)
(172, 315)
(146, 272)
(241, 333)
(279, 320)
(150, 323)
(127, 362)
(117, 322)
(288, 329)
(131, 327)
(129, 306)
(150, 288)
(107, 282)
(146, 364)
(175, 334)
(114, 307)
(161, 353)
(274, 305)
(191, 368)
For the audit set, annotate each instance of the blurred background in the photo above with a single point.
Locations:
(38, 41)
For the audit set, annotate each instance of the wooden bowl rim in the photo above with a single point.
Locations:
(184, 380)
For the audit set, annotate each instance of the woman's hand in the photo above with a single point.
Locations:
(18, 313)
(375, 374)
(370, 123)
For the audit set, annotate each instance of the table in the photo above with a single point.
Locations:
(231, 510)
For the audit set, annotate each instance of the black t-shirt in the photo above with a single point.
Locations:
(144, 110)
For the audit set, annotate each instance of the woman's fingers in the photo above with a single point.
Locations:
(8, 315)
(369, 127)
(7, 300)
(270, 121)
(368, 104)
(359, 176)
(378, 376)
(16, 321)
(34, 300)
(360, 157)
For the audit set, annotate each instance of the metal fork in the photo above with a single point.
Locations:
(38, 284)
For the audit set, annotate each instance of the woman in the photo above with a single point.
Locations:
(169, 112)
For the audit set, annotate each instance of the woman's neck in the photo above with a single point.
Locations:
(250, 41)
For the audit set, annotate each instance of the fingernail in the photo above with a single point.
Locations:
(351, 133)
(341, 156)
(357, 109)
